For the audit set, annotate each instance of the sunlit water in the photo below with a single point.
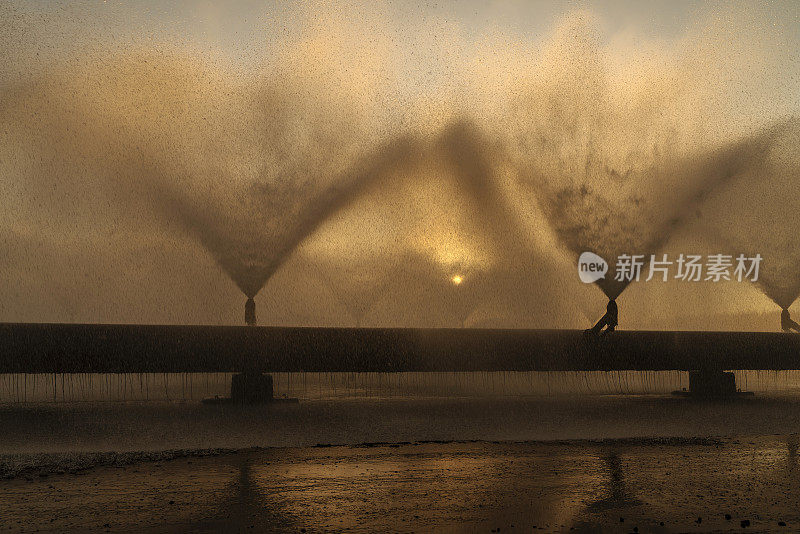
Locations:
(646, 485)
(62, 422)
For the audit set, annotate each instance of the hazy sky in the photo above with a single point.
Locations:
(148, 148)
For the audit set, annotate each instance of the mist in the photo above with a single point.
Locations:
(735, 223)
(618, 158)
(520, 152)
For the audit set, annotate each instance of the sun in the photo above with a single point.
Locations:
(457, 279)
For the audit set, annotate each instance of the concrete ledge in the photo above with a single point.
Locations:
(75, 348)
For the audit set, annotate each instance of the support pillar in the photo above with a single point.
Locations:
(251, 388)
(712, 383)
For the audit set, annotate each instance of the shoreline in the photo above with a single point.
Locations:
(42, 465)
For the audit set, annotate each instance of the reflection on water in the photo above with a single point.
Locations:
(415, 487)
(617, 495)
(650, 485)
(247, 505)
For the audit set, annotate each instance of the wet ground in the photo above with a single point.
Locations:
(158, 426)
(616, 486)
(588, 462)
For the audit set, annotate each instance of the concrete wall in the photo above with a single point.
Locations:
(73, 348)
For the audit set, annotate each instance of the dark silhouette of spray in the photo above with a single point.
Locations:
(473, 158)
(247, 171)
(778, 273)
(587, 220)
(736, 224)
(356, 285)
(464, 155)
(241, 247)
(241, 163)
(521, 269)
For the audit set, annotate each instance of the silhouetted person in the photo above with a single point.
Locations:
(786, 322)
(608, 321)
(250, 312)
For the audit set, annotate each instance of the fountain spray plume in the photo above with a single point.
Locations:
(247, 168)
(247, 163)
(474, 159)
(705, 174)
(618, 145)
(125, 135)
(461, 257)
(356, 285)
(767, 226)
(486, 262)
(779, 272)
(250, 253)
(586, 220)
